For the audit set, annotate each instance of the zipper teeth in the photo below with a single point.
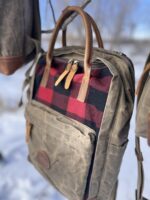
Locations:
(122, 55)
(71, 61)
(117, 54)
(74, 61)
(114, 53)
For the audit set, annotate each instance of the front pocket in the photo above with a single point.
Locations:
(61, 149)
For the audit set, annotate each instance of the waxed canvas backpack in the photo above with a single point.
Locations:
(20, 33)
(142, 123)
(78, 114)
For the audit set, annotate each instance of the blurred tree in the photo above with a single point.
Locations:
(117, 19)
(1, 157)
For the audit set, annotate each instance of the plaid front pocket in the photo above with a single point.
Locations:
(65, 101)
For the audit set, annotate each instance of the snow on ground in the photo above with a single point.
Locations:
(18, 179)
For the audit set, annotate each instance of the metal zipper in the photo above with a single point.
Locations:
(65, 72)
(114, 53)
(71, 74)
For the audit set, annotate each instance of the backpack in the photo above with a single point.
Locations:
(78, 115)
(142, 123)
(20, 33)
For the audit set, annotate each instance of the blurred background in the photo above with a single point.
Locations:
(125, 27)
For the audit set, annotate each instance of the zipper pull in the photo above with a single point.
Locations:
(71, 74)
(65, 72)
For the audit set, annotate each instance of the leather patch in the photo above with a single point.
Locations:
(43, 159)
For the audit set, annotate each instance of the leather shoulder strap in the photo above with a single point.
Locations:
(140, 181)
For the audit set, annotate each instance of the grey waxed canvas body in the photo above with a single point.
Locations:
(142, 125)
(68, 145)
(20, 28)
(143, 102)
(143, 110)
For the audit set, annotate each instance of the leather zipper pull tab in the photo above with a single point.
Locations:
(71, 74)
(65, 72)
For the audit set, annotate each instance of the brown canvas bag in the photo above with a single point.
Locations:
(142, 123)
(78, 118)
(20, 29)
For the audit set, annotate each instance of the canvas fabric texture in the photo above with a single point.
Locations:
(142, 124)
(112, 137)
(64, 101)
(77, 137)
(143, 103)
(20, 33)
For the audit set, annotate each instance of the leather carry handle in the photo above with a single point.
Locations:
(88, 49)
(96, 31)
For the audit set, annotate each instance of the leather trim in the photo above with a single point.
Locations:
(8, 65)
(65, 72)
(88, 44)
(84, 86)
(70, 76)
(95, 28)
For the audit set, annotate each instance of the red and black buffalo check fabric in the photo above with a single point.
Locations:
(64, 101)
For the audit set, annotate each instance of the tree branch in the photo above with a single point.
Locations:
(53, 13)
(70, 19)
(74, 15)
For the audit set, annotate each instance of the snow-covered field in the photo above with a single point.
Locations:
(18, 179)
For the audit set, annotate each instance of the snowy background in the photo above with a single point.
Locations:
(18, 179)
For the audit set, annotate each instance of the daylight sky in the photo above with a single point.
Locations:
(142, 15)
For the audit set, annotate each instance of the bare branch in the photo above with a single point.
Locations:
(47, 31)
(53, 13)
(70, 19)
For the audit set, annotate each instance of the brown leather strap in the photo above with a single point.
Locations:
(142, 198)
(71, 74)
(140, 182)
(95, 28)
(88, 49)
(10, 64)
(64, 37)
